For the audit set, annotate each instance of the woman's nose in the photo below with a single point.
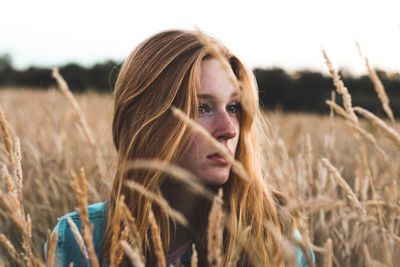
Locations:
(225, 126)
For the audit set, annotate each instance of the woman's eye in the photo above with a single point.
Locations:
(203, 109)
(234, 108)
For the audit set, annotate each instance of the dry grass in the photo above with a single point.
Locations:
(340, 173)
(294, 163)
(156, 239)
(215, 231)
(79, 184)
(380, 90)
(288, 166)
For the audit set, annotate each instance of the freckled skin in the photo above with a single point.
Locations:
(219, 115)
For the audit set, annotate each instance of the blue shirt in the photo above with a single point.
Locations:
(67, 249)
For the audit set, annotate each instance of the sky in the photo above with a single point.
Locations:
(270, 33)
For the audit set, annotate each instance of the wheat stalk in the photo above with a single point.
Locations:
(82, 121)
(380, 124)
(343, 184)
(379, 88)
(315, 205)
(215, 232)
(12, 202)
(173, 171)
(380, 203)
(7, 136)
(179, 217)
(194, 259)
(26, 242)
(116, 249)
(52, 248)
(369, 262)
(18, 207)
(285, 249)
(133, 254)
(370, 138)
(8, 207)
(78, 237)
(79, 185)
(8, 180)
(119, 252)
(17, 174)
(328, 253)
(156, 239)
(130, 222)
(9, 247)
(341, 89)
(338, 109)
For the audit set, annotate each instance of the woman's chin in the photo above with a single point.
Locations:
(214, 177)
(217, 180)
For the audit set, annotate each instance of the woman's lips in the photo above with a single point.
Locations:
(218, 158)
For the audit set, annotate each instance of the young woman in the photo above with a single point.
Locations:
(198, 75)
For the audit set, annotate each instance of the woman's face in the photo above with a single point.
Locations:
(219, 113)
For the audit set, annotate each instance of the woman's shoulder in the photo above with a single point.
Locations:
(67, 249)
(96, 210)
(97, 215)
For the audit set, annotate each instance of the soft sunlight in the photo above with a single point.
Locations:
(287, 34)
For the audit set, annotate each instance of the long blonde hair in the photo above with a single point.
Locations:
(164, 71)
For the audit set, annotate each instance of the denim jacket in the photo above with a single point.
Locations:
(67, 249)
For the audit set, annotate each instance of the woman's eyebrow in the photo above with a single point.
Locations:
(205, 96)
(235, 93)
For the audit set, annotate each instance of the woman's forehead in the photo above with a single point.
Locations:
(216, 80)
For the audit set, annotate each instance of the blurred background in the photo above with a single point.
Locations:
(281, 42)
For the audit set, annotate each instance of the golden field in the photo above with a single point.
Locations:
(359, 227)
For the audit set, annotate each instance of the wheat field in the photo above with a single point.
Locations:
(340, 172)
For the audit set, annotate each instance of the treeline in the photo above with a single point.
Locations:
(307, 90)
(304, 90)
(99, 77)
